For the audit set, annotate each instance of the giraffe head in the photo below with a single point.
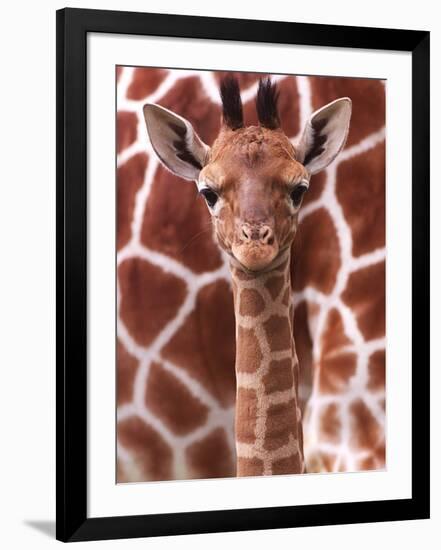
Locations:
(252, 178)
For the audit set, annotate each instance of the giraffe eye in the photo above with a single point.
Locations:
(210, 196)
(297, 194)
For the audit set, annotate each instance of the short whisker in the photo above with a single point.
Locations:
(194, 237)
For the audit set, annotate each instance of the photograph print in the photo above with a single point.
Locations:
(250, 254)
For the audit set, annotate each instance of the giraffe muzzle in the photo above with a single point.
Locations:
(255, 246)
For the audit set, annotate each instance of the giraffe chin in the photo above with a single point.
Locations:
(255, 258)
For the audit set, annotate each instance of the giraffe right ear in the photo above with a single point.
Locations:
(175, 142)
(325, 135)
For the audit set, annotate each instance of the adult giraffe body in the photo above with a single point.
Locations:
(253, 180)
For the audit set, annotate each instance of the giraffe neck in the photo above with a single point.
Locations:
(268, 424)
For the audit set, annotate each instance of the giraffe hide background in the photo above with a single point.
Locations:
(175, 327)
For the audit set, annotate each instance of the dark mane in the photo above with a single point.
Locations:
(231, 103)
(266, 104)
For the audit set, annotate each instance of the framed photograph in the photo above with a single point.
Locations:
(242, 274)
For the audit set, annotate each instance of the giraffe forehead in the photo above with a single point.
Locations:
(252, 146)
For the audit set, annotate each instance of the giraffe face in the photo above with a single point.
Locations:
(253, 187)
(252, 178)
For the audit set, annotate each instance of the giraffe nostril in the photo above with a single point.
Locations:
(246, 234)
(266, 235)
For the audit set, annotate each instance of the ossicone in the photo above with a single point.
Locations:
(232, 112)
(266, 104)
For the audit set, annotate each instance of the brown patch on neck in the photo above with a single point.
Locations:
(280, 376)
(280, 425)
(246, 415)
(274, 285)
(287, 465)
(248, 354)
(278, 333)
(249, 466)
(250, 302)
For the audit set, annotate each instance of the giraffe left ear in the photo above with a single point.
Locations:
(175, 142)
(324, 135)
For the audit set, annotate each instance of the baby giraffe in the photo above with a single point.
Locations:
(253, 180)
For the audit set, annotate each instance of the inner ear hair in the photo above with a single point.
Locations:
(317, 138)
(181, 145)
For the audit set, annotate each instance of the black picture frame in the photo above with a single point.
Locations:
(72, 523)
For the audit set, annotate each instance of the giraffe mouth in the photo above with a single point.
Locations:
(256, 258)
